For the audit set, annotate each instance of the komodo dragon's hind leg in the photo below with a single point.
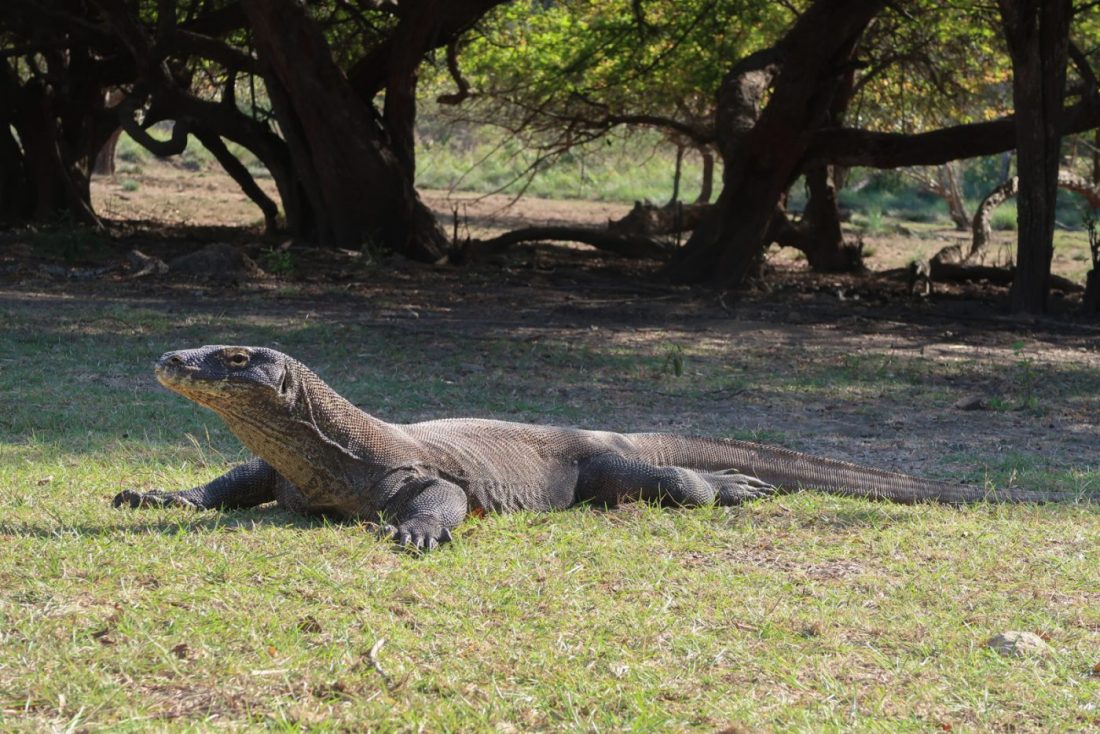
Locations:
(247, 485)
(611, 479)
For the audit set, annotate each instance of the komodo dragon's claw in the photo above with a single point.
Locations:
(734, 488)
(136, 499)
(415, 536)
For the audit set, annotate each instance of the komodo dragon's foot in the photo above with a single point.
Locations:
(136, 499)
(418, 534)
(734, 488)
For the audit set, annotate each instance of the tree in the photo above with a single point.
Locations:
(813, 60)
(53, 114)
(565, 75)
(1037, 32)
(357, 185)
(332, 120)
(790, 136)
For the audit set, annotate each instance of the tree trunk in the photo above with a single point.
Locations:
(676, 173)
(1096, 157)
(105, 159)
(817, 54)
(1037, 32)
(362, 186)
(707, 189)
(952, 194)
(983, 215)
(823, 243)
(59, 122)
(15, 202)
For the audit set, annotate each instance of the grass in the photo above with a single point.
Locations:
(1004, 218)
(639, 168)
(803, 613)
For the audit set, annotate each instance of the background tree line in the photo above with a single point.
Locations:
(769, 95)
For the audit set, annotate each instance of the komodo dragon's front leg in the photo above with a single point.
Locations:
(247, 485)
(419, 511)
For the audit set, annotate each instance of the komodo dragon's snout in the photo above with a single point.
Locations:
(222, 370)
(318, 453)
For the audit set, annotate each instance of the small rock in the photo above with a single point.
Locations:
(1018, 644)
(970, 402)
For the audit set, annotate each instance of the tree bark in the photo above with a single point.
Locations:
(362, 185)
(105, 158)
(817, 54)
(15, 201)
(952, 194)
(707, 189)
(676, 173)
(1037, 32)
(823, 239)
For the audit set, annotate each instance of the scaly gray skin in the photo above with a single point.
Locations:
(317, 453)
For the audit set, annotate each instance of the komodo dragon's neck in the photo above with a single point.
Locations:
(314, 437)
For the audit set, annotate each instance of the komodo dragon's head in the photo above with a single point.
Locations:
(227, 378)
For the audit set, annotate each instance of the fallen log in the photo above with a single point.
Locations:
(942, 272)
(622, 245)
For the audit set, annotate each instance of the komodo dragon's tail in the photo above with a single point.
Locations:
(791, 471)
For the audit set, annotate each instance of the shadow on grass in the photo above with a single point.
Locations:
(229, 521)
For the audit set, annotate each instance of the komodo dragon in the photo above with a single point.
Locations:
(318, 453)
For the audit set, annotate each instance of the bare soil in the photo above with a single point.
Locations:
(885, 369)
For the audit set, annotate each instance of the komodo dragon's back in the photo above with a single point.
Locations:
(315, 452)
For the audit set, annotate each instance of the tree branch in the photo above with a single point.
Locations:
(852, 147)
(463, 92)
(160, 148)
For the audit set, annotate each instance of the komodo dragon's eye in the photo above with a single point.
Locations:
(238, 359)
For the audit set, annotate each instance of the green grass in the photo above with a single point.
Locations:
(801, 613)
(1004, 217)
(623, 170)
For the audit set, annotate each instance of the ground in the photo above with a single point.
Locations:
(801, 613)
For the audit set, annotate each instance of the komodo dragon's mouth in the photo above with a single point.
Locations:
(186, 380)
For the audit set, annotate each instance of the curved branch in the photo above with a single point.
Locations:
(463, 92)
(211, 48)
(852, 147)
(1081, 62)
(160, 148)
(695, 134)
